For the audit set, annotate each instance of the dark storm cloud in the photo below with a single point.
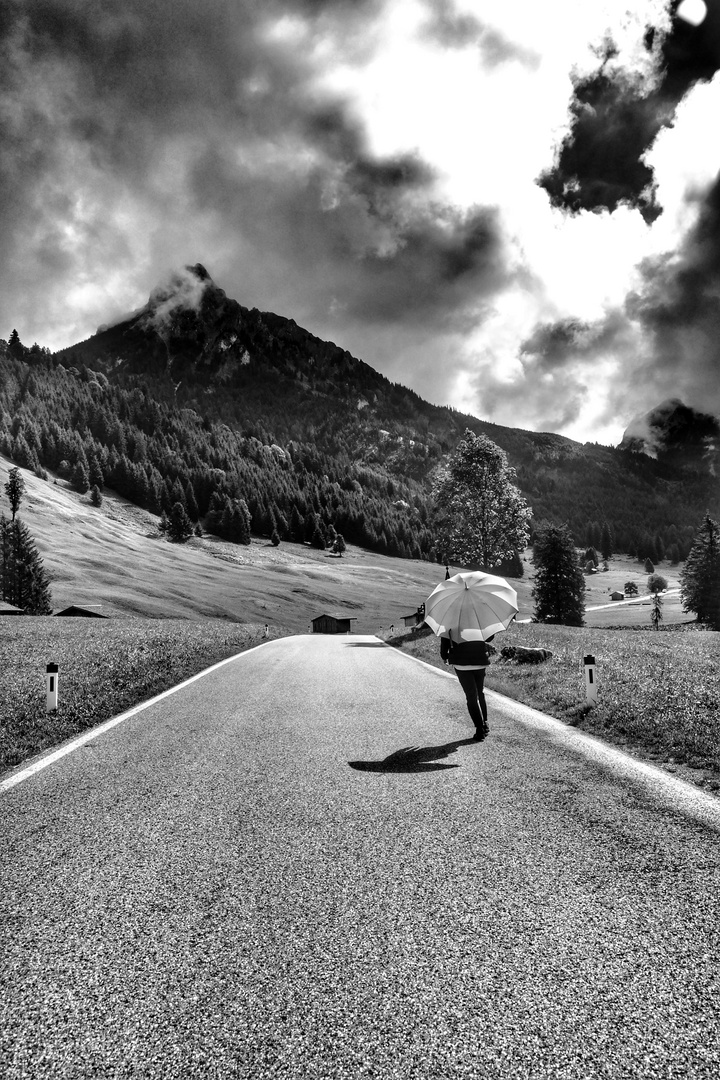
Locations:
(207, 123)
(678, 308)
(616, 115)
(555, 345)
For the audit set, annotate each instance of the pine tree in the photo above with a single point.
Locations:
(318, 539)
(95, 473)
(80, 478)
(191, 502)
(23, 580)
(96, 495)
(22, 452)
(700, 577)
(15, 489)
(559, 589)
(606, 541)
(15, 346)
(180, 527)
(295, 528)
(243, 521)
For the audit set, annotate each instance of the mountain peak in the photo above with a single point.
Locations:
(671, 429)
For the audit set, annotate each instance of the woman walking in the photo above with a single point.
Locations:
(470, 659)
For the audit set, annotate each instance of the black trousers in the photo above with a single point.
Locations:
(472, 681)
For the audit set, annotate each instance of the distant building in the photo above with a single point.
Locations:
(92, 612)
(10, 609)
(617, 595)
(415, 618)
(332, 624)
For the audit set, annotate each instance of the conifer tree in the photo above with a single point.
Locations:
(559, 589)
(191, 502)
(95, 473)
(700, 577)
(80, 478)
(23, 580)
(15, 346)
(318, 539)
(15, 489)
(180, 526)
(241, 521)
(296, 526)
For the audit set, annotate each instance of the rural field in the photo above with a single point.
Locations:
(175, 609)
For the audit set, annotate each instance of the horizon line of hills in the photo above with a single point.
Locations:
(197, 399)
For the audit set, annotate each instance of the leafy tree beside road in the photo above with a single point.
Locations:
(481, 515)
(700, 577)
(559, 589)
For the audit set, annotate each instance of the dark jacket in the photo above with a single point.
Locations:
(465, 653)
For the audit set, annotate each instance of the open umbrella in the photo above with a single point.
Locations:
(474, 606)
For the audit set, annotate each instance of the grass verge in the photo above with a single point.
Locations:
(658, 692)
(104, 669)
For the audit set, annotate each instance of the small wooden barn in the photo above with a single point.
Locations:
(93, 612)
(617, 595)
(10, 609)
(411, 620)
(332, 624)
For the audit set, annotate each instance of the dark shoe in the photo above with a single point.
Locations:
(480, 734)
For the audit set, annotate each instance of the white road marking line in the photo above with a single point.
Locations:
(67, 748)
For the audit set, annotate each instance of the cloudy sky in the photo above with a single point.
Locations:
(511, 207)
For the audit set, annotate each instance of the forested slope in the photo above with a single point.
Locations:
(215, 405)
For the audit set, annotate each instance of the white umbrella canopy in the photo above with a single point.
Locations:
(473, 606)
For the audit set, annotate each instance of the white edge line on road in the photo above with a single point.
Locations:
(67, 748)
(685, 795)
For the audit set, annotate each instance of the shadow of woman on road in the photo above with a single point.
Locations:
(414, 759)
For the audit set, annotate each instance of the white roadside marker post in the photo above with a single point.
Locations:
(52, 688)
(590, 679)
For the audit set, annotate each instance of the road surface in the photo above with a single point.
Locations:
(255, 877)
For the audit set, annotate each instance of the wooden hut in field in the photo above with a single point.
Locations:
(411, 620)
(332, 624)
(617, 595)
(10, 609)
(86, 612)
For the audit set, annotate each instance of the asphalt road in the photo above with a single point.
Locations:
(237, 882)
